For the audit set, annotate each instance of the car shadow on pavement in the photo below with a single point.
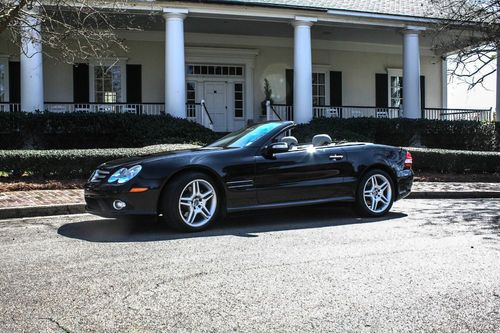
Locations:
(242, 225)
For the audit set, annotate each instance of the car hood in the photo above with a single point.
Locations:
(131, 161)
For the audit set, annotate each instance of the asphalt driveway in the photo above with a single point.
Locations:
(431, 265)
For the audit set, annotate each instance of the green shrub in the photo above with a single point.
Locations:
(455, 161)
(79, 163)
(64, 164)
(80, 130)
(466, 135)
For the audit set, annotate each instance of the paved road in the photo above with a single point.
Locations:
(429, 266)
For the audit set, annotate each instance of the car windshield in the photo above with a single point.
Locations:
(245, 136)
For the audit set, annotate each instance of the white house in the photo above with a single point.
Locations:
(322, 58)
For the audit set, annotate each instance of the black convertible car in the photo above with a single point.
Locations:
(262, 166)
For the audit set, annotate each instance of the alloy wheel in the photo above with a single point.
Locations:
(197, 203)
(377, 193)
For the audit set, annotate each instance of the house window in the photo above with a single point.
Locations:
(214, 70)
(191, 99)
(238, 100)
(319, 89)
(396, 91)
(3, 82)
(108, 83)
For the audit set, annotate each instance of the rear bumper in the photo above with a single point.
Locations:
(99, 201)
(405, 182)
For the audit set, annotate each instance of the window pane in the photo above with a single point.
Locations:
(239, 71)
(321, 78)
(321, 90)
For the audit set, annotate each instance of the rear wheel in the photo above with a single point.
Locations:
(190, 202)
(375, 194)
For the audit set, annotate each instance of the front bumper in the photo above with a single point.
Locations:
(99, 201)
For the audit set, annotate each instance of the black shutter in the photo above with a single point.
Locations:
(14, 82)
(289, 86)
(422, 91)
(81, 83)
(381, 90)
(335, 88)
(134, 84)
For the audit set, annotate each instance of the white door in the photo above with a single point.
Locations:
(216, 102)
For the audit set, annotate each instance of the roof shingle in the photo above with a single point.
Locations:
(415, 8)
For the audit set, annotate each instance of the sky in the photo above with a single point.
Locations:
(480, 97)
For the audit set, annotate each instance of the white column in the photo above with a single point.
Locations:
(175, 72)
(411, 74)
(302, 70)
(249, 101)
(497, 109)
(31, 65)
(444, 83)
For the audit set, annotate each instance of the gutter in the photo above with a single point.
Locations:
(339, 12)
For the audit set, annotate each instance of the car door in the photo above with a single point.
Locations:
(301, 175)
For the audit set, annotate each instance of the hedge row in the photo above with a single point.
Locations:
(61, 164)
(81, 130)
(68, 164)
(106, 130)
(455, 161)
(464, 135)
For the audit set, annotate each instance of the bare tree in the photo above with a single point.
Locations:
(69, 30)
(471, 29)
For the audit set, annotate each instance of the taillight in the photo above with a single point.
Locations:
(408, 160)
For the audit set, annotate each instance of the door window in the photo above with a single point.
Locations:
(191, 99)
(3, 83)
(238, 100)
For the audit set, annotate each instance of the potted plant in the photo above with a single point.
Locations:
(268, 92)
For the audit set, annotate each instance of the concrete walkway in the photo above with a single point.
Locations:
(54, 202)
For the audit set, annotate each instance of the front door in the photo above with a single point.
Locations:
(302, 175)
(216, 102)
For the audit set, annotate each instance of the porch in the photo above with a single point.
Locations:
(199, 112)
(210, 68)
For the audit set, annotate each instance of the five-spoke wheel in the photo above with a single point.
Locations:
(190, 202)
(197, 203)
(375, 195)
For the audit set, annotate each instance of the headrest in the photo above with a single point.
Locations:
(290, 141)
(321, 140)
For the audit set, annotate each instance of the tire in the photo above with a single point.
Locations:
(190, 211)
(375, 200)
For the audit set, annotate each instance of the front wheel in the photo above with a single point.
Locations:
(190, 202)
(374, 197)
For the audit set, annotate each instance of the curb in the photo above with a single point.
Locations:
(33, 211)
(455, 195)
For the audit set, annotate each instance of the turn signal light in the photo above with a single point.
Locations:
(408, 160)
(138, 189)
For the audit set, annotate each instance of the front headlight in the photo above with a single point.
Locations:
(124, 175)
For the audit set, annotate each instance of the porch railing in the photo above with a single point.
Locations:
(198, 113)
(10, 107)
(58, 107)
(285, 112)
(137, 108)
(459, 114)
(355, 112)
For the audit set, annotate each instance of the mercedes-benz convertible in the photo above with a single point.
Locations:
(259, 167)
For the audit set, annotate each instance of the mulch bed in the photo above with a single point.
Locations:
(33, 184)
(37, 184)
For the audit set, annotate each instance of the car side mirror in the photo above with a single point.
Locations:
(276, 147)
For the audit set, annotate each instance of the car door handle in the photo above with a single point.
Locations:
(336, 157)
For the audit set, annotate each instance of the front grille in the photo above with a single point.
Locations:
(99, 175)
